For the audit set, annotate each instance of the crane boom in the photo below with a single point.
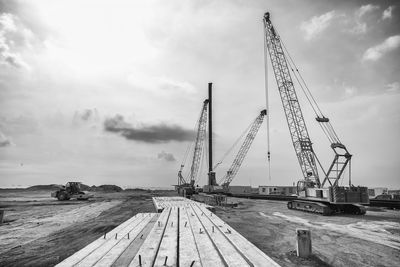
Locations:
(199, 143)
(237, 162)
(295, 120)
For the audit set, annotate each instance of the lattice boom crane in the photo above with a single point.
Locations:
(326, 197)
(237, 162)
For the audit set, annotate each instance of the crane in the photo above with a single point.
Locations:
(326, 197)
(237, 162)
(188, 184)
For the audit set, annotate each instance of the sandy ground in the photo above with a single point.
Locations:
(41, 231)
(345, 240)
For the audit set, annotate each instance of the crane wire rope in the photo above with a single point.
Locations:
(267, 104)
(326, 128)
(232, 147)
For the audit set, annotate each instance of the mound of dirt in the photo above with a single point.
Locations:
(106, 188)
(137, 190)
(49, 187)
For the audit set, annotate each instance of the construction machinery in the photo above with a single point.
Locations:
(240, 156)
(324, 197)
(224, 183)
(71, 190)
(187, 186)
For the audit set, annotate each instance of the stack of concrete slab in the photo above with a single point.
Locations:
(181, 235)
(167, 202)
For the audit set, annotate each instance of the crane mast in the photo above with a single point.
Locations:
(295, 120)
(237, 162)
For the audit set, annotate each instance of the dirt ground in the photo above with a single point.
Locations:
(345, 240)
(41, 231)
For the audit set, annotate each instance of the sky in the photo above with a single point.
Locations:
(109, 92)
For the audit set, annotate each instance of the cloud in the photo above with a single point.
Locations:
(365, 9)
(166, 156)
(159, 133)
(86, 115)
(317, 25)
(350, 91)
(12, 34)
(361, 26)
(376, 52)
(4, 141)
(393, 87)
(387, 13)
(160, 84)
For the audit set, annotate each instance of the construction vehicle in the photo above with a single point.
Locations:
(240, 156)
(326, 197)
(186, 187)
(71, 190)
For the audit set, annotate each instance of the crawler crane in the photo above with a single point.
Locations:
(327, 197)
(224, 183)
(183, 184)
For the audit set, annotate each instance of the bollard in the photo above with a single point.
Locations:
(165, 262)
(191, 265)
(128, 235)
(140, 260)
(1, 216)
(213, 229)
(104, 235)
(304, 247)
(116, 236)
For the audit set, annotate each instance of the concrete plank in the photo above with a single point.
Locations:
(148, 251)
(81, 254)
(230, 253)
(248, 249)
(188, 251)
(208, 251)
(167, 254)
(113, 254)
(127, 256)
(98, 253)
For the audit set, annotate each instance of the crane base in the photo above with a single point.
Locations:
(326, 208)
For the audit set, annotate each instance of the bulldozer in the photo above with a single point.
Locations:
(71, 190)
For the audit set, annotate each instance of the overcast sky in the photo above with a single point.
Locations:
(109, 91)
